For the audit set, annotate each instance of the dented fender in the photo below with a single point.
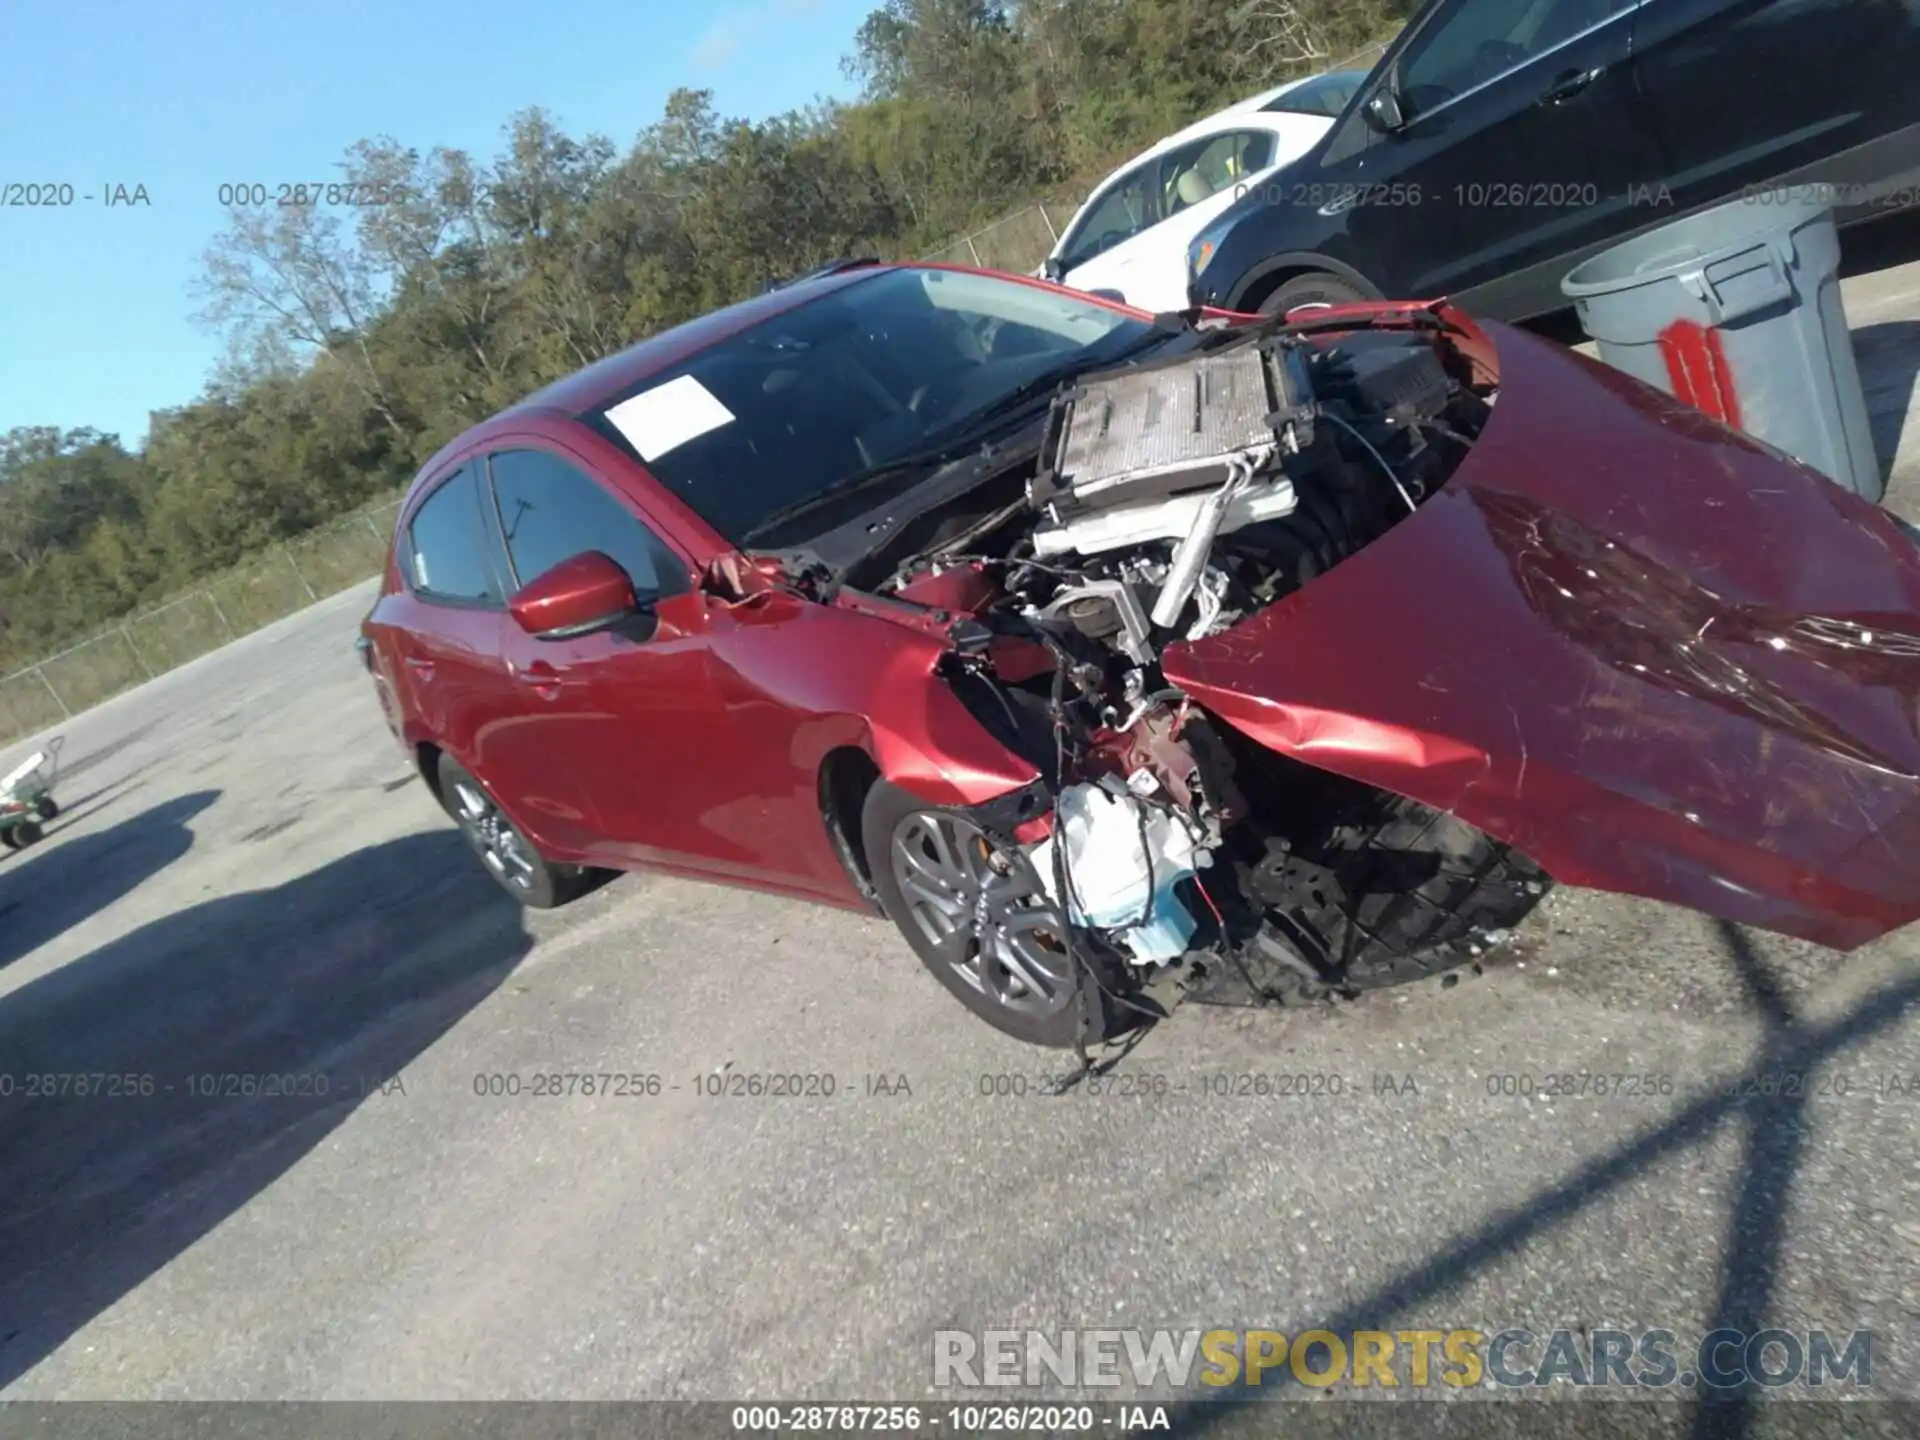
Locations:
(858, 674)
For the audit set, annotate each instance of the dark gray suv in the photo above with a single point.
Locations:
(1500, 142)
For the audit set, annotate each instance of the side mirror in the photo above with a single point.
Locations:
(576, 597)
(1383, 110)
(1053, 270)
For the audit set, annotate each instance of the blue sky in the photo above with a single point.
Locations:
(182, 96)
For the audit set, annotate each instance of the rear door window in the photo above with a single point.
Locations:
(1199, 171)
(449, 552)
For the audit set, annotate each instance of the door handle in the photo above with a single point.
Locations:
(541, 678)
(422, 668)
(1570, 83)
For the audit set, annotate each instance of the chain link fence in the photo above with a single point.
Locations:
(1016, 243)
(277, 583)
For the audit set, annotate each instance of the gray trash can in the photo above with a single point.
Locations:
(1737, 311)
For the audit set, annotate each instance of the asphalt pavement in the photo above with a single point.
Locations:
(248, 881)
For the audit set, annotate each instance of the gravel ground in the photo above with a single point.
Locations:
(248, 880)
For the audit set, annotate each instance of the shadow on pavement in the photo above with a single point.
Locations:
(1880, 244)
(336, 980)
(47, 889)
(1768, 1104)
(93, 802)
(1888, 358)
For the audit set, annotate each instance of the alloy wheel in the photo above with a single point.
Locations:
(984, 911)
(501, 847)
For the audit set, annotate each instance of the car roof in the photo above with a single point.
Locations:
(1262, 100)
(1251, 112)
(1235, 117)
(1351, 77)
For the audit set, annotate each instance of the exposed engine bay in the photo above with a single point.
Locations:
(1168, 501)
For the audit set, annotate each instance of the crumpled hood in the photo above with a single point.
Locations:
(1650, 653)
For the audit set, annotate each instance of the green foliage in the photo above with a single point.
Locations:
(362, 339)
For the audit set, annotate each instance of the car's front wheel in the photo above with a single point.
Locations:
(505, 853)
(1316, 290)
(979, 918)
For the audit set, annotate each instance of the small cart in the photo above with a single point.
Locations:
(26, 796)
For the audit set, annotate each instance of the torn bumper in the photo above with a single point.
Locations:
(1653, 655)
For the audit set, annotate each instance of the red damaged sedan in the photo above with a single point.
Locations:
(1095, 649)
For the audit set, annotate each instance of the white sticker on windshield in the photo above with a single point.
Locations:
(667, 416)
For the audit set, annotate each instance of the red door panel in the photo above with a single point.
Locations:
(538, 747)
(663, 751)
(450, 676)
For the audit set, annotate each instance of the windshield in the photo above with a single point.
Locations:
(1325, 95)
(868, 374)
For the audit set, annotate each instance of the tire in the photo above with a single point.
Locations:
(503, 851)
(9, 838)
(1396, 892)
(939, 878)
(45, 807)
(1316, 287)
(24, 834)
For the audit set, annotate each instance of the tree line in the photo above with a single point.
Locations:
(360, 338)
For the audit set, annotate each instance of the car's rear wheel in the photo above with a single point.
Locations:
(505, 853)
(22, 835)
(45, 807)
(979, 918)
(1317, 289)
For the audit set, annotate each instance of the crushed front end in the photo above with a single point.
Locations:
(1334, 642)
(1169, 503)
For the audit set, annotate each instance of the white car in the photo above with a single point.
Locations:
(1129, 240)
